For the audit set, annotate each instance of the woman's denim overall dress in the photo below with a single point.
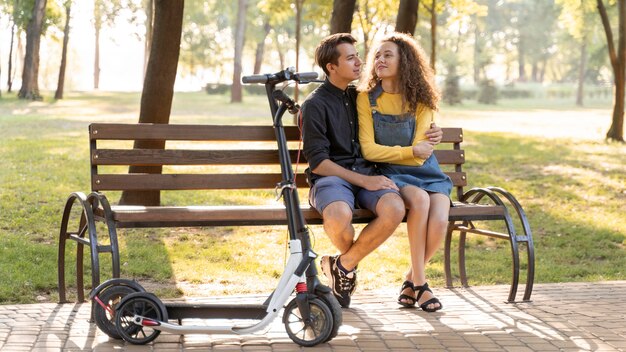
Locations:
(392, 130)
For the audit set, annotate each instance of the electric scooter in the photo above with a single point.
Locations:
(123, 309)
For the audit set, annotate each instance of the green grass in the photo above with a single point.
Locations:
(573, 190)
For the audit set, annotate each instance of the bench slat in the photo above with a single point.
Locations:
(152, 157)
(452, 135)
(147, 182)
(140, 216)
(182, 132)
(179, 182)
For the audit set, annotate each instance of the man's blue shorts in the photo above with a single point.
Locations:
(331, 189)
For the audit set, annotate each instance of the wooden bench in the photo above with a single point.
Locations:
(192, 167)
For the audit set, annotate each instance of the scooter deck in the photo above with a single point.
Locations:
(215, 311)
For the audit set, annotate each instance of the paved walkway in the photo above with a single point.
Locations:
(562, 317)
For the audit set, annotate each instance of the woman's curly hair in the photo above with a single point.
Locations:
(416, 77)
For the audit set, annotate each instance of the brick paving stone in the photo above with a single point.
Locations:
(15, 348)
(474, 319)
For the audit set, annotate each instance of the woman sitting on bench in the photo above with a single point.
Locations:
(396, 106)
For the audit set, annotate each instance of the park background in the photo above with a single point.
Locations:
(531, 82)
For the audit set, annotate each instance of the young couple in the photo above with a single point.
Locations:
(373, 149)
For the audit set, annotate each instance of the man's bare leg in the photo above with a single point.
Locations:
(338, 225)
(390, 212)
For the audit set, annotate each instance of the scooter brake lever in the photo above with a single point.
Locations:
(280, 187)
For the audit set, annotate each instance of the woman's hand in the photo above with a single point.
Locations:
(423, 150)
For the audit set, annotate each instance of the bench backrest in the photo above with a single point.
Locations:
(195, 153)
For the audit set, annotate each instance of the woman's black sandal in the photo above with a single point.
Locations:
(434, 300)
(409, 301)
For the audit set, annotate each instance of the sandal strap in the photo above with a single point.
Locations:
(407, 284)
(410, 300)
(433, 300)
(422, 289)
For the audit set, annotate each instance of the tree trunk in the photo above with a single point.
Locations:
(281, 52)
(616, 131)
(30, 74)
(341, 18)
(521, 52)
(477, 51)
(299, 4)
(581, 72)
(148, 42)
(260, 47)
(618, 62)
(66, 37)
(236, 91)
(433, 35)
(364, 22)
(9, 78)
(158, 87)
(97, 24)
(406, 21)
(96, 60)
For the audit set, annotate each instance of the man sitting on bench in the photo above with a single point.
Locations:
(340, 178)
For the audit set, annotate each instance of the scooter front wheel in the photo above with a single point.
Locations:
(136, 306)
(313, 331)
(337, 313)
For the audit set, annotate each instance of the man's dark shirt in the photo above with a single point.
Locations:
(330, 130)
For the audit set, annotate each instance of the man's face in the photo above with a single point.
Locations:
(348, 67)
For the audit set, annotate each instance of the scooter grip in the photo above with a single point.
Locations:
(306, 76)
(254, 79)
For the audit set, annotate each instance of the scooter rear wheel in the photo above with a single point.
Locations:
(312, 332)
(141, 304)
(105, 316)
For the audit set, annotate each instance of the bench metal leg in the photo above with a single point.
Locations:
(495, 194)
(99, 199)
(86, 224)
(446, 254)
(462, 272)
(526, 238)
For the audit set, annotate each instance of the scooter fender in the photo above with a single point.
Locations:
(116, 282)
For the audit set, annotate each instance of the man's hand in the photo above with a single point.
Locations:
(423, 150)
(375, 183)
(434, 135)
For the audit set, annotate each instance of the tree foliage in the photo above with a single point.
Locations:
(206, 36)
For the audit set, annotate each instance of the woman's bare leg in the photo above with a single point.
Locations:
(436, 231)
(417, 203)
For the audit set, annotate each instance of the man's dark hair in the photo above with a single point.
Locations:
(326, 52)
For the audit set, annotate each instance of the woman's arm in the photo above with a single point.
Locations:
(370, 149)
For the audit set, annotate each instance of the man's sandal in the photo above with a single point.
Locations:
(404, 299)
(434, 300)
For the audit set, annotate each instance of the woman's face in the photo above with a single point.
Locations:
(387, 60)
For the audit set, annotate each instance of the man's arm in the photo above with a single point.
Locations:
(316, 148)
(434, 134)
(424, 149)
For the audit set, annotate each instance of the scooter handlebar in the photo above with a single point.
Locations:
(288, 74)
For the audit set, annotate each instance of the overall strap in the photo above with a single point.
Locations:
(374, 94)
